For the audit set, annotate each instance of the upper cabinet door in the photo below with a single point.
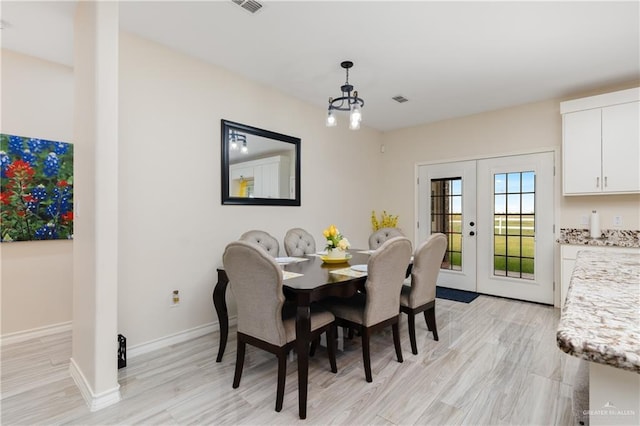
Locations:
(621, 148)
(581, 152)
(601, 144)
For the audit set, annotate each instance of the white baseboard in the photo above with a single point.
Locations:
(133, 351)
(34, 333)
(95, 402)
(173, 339)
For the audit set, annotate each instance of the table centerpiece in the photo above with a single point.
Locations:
(337, 244)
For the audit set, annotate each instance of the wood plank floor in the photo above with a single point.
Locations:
(496, 363)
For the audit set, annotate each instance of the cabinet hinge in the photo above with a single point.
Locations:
(418, 225)
(554, 228)
(417, 181)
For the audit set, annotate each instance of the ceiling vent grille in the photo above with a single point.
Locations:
(400, 99)
(250, 5)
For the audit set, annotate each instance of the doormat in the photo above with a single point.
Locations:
(455, 295)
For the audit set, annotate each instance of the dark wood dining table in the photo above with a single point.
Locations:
(316, 283)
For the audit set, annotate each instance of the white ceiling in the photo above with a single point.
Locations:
(449, 59)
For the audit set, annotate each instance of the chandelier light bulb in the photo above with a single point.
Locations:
(331, 119)
(244, 148)
(234, 145)
(354, 124)
(356, 115)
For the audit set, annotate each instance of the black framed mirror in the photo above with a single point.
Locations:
(259, 167)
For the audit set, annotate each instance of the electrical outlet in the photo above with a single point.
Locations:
(617, 221)
(175, 298)
(584, 220)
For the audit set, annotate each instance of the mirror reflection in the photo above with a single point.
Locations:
(259, 167)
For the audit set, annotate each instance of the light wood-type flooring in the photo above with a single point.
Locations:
(496, 363)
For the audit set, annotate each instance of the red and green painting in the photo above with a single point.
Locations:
(36, 189)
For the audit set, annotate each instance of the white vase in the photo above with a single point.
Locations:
(336, 253)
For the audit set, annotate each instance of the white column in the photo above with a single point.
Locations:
(95, 289)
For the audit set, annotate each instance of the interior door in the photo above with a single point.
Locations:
(515, 227)
(447, 204)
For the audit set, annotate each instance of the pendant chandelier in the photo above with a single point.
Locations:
(238, 141)
(346, 102)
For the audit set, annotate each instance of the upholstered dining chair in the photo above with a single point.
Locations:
(260, 314)
(298, 242)
(383, 234)
(264, 239)
(420, 296)
(379, 306)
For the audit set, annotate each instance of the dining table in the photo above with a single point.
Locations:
(306, 280)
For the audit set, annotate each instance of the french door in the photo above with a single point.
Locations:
(447, 204)
(498, 215)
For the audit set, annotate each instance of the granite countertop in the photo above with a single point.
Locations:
(608, 238)
(600, 321)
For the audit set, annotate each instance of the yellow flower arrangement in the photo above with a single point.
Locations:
(386, 220)
(335, 240)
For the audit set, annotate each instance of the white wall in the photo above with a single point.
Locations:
(36, 276)
(173, 228)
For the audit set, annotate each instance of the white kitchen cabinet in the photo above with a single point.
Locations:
(268, 177)
(568, 254)
(601, 144)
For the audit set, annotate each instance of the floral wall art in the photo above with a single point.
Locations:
(36, 189)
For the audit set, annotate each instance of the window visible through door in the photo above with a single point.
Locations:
(446, 218)
(514, 224)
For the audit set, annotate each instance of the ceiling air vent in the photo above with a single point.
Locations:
(250, 5)
(400, 99)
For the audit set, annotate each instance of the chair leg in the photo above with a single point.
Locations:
(282, 375)
(331, 347)
(411, 321)
(430, 318)
(314, 346)
(349, 332)
(239, 362)
(366, 354)
(396, 340)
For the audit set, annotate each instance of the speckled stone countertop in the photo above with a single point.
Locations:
(600, 320)
(609, 237)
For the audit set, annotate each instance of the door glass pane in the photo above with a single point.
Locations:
(446, 218)
(514, 194)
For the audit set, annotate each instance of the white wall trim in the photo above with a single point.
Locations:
(95, 402)
(179, 337)
(34, 333)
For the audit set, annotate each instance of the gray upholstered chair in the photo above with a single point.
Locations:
(298, 242)
(420, 296)
(260, 313)
(264, 239)
(383, 234)
(379, 306)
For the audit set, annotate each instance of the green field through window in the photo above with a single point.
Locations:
(514, 225)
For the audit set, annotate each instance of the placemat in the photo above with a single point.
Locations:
(349, 272)
(286, 275)
(287, 260)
